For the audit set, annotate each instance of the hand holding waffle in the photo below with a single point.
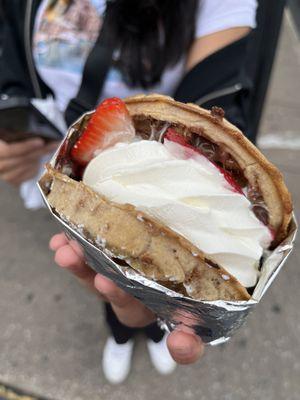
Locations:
(184, 347)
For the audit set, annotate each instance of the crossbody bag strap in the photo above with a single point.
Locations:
(93, 77)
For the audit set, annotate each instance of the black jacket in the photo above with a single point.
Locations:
(18, 75)
(218, 80)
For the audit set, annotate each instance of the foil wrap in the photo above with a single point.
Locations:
(214, 321)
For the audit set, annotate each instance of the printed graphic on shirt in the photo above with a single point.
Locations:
(66, 33)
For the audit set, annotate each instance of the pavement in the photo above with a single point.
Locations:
(52, 330)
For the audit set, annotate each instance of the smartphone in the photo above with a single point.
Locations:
(20, 120)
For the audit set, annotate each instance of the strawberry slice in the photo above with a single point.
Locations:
(229, 178)
(173, 136)
(110, 124)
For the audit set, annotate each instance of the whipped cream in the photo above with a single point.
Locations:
(189, 194)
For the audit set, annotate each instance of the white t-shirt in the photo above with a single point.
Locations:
(61, 45)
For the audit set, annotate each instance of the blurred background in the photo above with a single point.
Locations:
(50, 340)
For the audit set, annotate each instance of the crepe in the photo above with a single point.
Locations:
(143, 242)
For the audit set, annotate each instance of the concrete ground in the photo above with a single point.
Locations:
(52, 332)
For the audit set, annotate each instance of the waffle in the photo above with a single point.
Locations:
(145, 244)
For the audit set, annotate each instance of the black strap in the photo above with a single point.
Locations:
(93, 77)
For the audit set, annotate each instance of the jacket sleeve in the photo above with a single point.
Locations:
(14, 77)
(221, 80)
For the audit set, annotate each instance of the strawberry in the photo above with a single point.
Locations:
(173, 136)
(229, 178)
(110, 124)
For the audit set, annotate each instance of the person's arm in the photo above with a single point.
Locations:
(19, 161)
(184, 347)
(209, 44)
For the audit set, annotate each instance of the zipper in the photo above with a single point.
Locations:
(28, 51)
(220, 93)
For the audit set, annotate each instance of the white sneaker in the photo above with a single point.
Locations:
(160, 356)
(116, 360)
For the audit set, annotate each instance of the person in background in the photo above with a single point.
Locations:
(156, 43)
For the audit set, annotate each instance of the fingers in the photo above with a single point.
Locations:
(51, 147)
(185, 348)
(69, 255)
(77, 248)
(66, 257)
(58, 241)
(17, 167)
(48, 148)
(112, 292)
(130, 311)
(8, 150)
(7, 164)
(20, 174)
(27, 174)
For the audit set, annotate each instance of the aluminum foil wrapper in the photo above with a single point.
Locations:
(214, 321)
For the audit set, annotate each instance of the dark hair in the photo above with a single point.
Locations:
(149, 35)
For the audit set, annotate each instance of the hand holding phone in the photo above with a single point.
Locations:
(20, 119)
(20, 161)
